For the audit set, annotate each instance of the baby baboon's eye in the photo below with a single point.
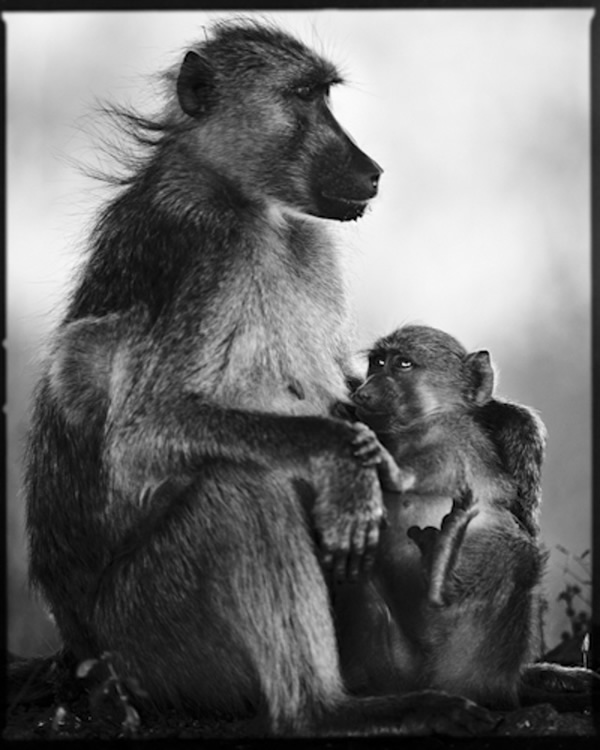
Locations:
(376, 362)
(403, 363)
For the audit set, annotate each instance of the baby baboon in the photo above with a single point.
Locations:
(517, 433)
(461, 600)
(174, 502)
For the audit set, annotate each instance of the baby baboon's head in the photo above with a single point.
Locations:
(418, 371)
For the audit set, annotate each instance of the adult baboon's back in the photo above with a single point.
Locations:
(171, 522)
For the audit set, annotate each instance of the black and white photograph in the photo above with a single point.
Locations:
(298, 382)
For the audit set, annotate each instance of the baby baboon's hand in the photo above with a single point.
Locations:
(366, 446)
(369, 450)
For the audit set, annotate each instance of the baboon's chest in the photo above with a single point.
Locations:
(286, 348)
(284, 339)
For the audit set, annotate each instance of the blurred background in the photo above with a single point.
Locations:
(480, 120)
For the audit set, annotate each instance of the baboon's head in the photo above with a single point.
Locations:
(259, 100)
(418, 371)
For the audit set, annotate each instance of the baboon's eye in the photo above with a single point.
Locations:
(403, 363)
(310, 92)
(376, 362)
(305, 92)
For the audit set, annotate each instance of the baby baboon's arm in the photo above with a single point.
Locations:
(372, 453)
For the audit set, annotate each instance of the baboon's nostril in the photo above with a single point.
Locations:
(375, 175)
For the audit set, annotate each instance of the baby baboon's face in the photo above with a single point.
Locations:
(413, 373)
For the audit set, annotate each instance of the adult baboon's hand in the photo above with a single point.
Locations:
(347, 527)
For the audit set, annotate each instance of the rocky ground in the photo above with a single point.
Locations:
(73, 720)
(46, 701)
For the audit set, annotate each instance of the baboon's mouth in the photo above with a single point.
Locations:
(366, 414)
(349, 201)
(340, 208)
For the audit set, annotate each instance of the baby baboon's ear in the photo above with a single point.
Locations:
(196, 88)
(482, 376)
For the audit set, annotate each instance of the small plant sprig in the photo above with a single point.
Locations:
(579, 619)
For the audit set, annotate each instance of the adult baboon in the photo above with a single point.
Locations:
(175, 525)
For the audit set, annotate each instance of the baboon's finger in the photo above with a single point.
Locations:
(340, 565)
(384, 523)
(355, 558)
(364, 539)
(457, 519)
(365, 445)
(327, 559)
(372, 543)
(368, 456)
(464, 499)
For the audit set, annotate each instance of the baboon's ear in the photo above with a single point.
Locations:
(195, 85)
(482, 376)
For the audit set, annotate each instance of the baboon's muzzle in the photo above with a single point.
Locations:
(346, 179)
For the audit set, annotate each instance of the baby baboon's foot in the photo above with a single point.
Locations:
(440, 547)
